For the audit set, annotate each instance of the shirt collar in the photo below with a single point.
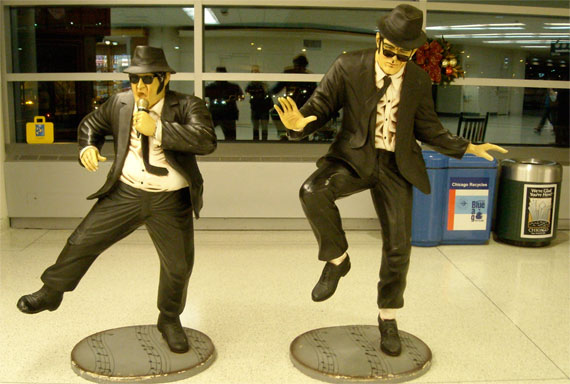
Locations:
(157, 108)
(380, 73)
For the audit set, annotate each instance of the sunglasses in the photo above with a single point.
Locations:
(389, 54)
(147, 79)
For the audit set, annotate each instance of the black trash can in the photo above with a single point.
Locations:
(528, 202)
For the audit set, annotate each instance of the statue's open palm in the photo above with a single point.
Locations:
(290, 115)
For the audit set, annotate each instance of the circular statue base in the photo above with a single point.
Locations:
(351, 353)
(139, 353)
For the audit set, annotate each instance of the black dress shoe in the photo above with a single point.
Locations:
(173, 333)
(45, 298)
(329, 279)
(390, 342)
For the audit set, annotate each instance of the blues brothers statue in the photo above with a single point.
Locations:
(387, 105)
(154, 180)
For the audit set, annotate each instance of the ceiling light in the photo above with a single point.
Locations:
(209, 15)
(477, 27)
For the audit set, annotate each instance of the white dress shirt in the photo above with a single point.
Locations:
(387, 109)
(134, 172)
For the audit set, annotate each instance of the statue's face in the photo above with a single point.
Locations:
(390, 57)
(141, 90)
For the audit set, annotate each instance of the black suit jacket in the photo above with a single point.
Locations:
(350, 84)
(187, 131)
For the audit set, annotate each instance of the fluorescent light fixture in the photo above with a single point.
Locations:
(557, 27)
(558, 24)
(553, 36)
(209, 15)
(517, 41)
(476, 27)
(535, 46)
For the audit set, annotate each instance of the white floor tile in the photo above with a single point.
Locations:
(481, 309)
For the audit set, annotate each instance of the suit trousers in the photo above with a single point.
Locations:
(168, 218)
(392, 198)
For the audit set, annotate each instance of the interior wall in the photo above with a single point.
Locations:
(232, 190)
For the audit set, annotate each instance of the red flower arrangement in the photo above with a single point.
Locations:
(436, 59)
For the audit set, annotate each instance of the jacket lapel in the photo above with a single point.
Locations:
(369, 84)
(125, 118)
(169, 109)
(366, 89)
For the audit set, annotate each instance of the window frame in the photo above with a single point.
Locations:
(200, 77)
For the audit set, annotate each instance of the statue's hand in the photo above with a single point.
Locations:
(144, 123)
(482, 149)
(90, 159)
(290, 116)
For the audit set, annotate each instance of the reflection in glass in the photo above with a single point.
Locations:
(260, 103)
(65, 103)
(515, 113)
(257, 104)
(97, 39)
(272, 37)
(500, 46)
(222, 98)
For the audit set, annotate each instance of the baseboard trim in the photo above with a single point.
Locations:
(206, 224)
(222, 224)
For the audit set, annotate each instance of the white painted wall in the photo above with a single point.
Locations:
(231, 190)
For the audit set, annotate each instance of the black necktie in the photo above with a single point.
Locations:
(159, 171)
(379, 93)
(382, 91)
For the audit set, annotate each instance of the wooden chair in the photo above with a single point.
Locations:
(473, 128)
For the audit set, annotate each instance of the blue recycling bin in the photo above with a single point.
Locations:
(459, 209)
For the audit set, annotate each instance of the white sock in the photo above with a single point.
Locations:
(339, 259)
(388, 313)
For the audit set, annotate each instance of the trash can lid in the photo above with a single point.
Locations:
(531, 170)
(434, 159)
(472, 161)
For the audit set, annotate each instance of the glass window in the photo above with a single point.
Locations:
(532, 116)
(98, 39)
(271, 38)
(65, 103)
(244, 110)
(524, 3)
(499, 46)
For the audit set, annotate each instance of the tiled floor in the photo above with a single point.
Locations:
(490, 314)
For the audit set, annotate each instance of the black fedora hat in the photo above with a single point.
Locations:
(148, 60)
(403, 27)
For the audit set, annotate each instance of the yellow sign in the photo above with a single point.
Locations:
(39, 132)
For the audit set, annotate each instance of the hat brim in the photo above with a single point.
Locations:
(137, 69)
(401, 43)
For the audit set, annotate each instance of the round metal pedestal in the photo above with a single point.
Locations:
(351, 353)
(139, 354)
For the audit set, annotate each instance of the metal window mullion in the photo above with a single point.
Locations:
(512, 83)
(109, 3)
(370, 4)
(500, 9)
(236, 76)
(198, 49)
